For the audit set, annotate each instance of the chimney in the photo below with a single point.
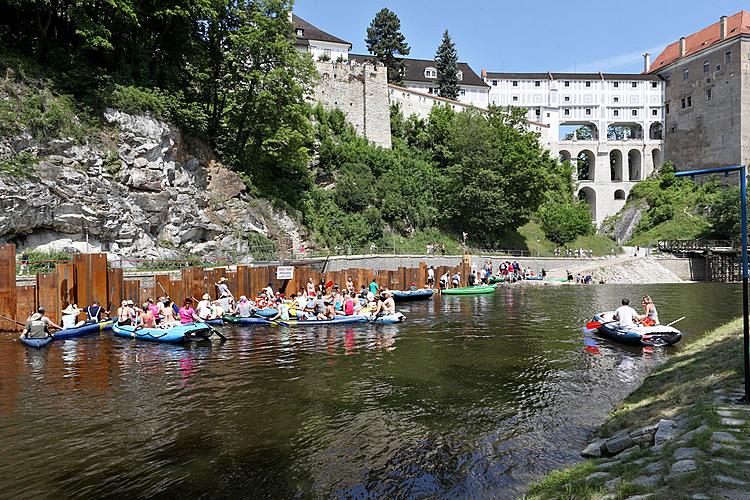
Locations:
(723, 25)
(484, 74)
(682, 46)
(646, 62)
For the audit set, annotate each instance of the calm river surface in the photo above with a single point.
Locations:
(473, 396)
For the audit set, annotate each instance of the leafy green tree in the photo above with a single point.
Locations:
(355, 187)
(446, 60)
(564, 220)
(723, 214)
(385, 41)
(406, 194)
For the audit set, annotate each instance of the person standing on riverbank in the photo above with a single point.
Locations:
(431, 277)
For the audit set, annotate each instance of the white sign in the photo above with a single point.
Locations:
(284, 272)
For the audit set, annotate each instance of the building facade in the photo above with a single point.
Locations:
(320, 45)
(707, 99)
(609, 126)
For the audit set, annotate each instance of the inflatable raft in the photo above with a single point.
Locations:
(252, 320)
(404, 295)
(470, 290)
(658, 335)
(38, 343)
(68, 333)
(178, 333)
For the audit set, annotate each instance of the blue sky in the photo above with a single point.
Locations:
(542, 35)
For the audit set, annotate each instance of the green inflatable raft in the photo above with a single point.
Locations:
(470, 290)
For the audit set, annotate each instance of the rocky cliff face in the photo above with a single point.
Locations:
(159, 196)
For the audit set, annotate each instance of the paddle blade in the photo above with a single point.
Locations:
(593, 325)
(329, 284)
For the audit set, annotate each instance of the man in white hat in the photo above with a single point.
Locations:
(70, 316)
(223, 289)
(204, 307)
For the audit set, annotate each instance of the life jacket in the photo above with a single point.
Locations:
(37, 329)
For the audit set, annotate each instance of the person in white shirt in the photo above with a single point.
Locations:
(431, 277)
(626, 315)
(70, 317)
(204, 307)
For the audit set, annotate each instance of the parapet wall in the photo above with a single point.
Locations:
(361, 92)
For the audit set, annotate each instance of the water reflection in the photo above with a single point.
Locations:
(473, 396)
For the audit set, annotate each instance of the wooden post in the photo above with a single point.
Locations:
(115, 292)
(26, 303)
(8, 300)
(47, 295)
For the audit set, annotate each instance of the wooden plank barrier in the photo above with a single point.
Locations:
(25, 303)
(47, 295)
(131, 289)
(66, 284)
(115, 291)
(8, 301)
(90, 278)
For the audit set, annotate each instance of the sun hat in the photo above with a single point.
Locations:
(71, 309)
(243, 298)
(206, 297)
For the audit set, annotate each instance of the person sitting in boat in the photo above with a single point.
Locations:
(154, 308)
(244, 308)
(187, 313)
(222, 288)
(363, 291)
(626, 315)
(95, 313)
(283, 311)
(330, 309)
(650, 314)
(38, 325)
(217, 311)
(349, 304)
(386, 306)
(413, 287)
(349, 284)
(203, 310)
(167, 314)
(472, 279)
(311, 287)
(146, 318)
(227, 303)
(125, 313)
(70, 316)
(269, 293)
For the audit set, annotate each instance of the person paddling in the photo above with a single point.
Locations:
(95, 313)
(38, 325)
(187, 313)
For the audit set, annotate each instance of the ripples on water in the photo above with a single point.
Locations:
(473, 396)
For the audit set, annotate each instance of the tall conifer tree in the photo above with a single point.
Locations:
(447, 68)
(385, 41)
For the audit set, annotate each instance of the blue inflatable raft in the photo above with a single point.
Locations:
(178, 333)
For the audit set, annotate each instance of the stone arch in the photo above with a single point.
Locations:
(656, 131)
(634, 165)
(615, 165)
(620, 194)
(564, 156)
(624, 132)
(586, 164)
(656, 158)
(588, 195)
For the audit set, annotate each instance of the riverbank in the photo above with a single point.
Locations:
(695, 443)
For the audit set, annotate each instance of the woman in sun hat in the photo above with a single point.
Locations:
(70, 314)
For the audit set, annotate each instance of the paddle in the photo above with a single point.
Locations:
(12, 320)
(593, 325)
(675, 321)
(272, 321)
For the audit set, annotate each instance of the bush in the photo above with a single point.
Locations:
(21, 165)
(564, 221)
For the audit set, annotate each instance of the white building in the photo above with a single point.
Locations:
(321, 45)
(610, 126)
(421, 75)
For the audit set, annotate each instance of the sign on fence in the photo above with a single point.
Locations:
(284, 272)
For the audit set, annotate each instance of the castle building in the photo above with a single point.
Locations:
(707, 95)
(609, 126)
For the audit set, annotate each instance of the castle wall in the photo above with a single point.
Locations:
(361, 92)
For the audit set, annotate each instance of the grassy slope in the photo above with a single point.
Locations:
(531, 237)
(682, 227)
(683, 382)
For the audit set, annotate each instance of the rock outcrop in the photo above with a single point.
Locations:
(158, 196)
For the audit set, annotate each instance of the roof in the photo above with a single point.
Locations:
(310, 32)
(415, 70)
(737, 24)
(571, 76)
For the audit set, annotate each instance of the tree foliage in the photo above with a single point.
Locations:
(386, 42)
(446, 60)
(564, 220)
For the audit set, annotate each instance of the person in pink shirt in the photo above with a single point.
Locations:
(187, 313)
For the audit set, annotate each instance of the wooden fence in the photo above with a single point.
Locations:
(88, 278)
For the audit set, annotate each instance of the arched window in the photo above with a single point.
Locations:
(619, 194)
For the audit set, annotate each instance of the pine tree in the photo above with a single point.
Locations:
(446, 60)
(385, 40)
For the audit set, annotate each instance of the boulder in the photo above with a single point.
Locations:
(618, 443)
(594, 449)
(682, 467)
(666, 430)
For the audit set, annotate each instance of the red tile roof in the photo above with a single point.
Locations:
(737, 24)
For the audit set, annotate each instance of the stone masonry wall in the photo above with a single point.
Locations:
(361, 92)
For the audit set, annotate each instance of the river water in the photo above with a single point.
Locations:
(472, 396)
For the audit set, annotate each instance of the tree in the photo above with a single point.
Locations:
(447, 68)
(385, 40)
(564, 220)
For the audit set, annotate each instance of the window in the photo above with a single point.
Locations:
(616, 112)
(685, 74)
(588, 84)
(515, 83)
(616, 99)
(460, 76)
(708, 94)
(538, 112)
(588, 111)
(634, 84)
(727, 57)
(430, 73)
(616, 84)
(654, 85)
(667, 108)
(537, 83)
(494, 83)
(515, 98)
(718, 67)
(654, 112)
(566, 112)
(567, 83)
(634, 112)
(300, 32)
(463, 92)
(666, 81)
(327, 52)
(690, 102)
(432, 90)
(682, 103)
(706, 66)
(566, 98)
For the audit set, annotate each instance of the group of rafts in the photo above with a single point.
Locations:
(658, 335)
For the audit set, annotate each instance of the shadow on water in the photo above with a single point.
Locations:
(471, 396)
